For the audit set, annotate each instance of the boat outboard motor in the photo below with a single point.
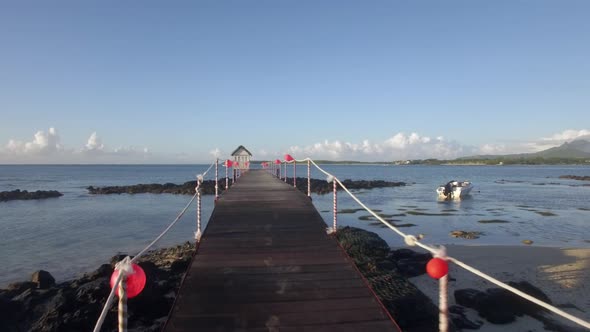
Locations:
(448, 189)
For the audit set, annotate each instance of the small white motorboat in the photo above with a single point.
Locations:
(454, 189)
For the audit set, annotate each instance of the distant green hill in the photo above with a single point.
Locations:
(579, 149)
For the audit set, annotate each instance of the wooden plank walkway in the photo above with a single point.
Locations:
(265, 263)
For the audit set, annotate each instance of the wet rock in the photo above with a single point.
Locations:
(466, 235)
(187, 188)
(75, 305)
(409, 262)
(19, 287)
(460, 321)
(25, 195)
(322, 187)
(500, 306)
(43, 279)
(362, 245)
(575, 177)
(411, 309)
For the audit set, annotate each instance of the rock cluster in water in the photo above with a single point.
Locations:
(322, 187)
(187, 188)
(42, 305)
(26, 195)
(575, 177)
(319, 187)
(387, 273)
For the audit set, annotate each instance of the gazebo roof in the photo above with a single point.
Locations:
(241, 147)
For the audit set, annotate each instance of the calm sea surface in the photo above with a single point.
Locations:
(75, 233)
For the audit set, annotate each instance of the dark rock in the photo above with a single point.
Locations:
(149, 268)
(25, 195)
(116, 259)
(498, 305)
(411, 309)
(527, 307)
(208, 187)
(105, 270)
(402, 253)
(180, 266)
(361, 245)
(466, 235)
(460, 321)
(469, 297)
(17, 288)
(409, 262)
(575, 177)
(43, 279)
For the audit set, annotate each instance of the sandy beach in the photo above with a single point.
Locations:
(562, 274)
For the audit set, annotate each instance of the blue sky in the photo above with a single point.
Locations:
(147, 81)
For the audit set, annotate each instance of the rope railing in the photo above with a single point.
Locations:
(124, 266)
(439, 252)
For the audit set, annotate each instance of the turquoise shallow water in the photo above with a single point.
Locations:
(74, 233)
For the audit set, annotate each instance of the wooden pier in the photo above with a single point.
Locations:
(265, 263)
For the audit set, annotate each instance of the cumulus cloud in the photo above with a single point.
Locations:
(43, 143)
(94, 143)
(46, 147)
(399, 146)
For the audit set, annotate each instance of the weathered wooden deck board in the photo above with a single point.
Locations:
(265, 263)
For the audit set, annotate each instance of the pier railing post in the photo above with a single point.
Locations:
(335, 206)
(226, 179)
(216, 179)
(198, 190)
(294, 174)
(443, 305)
(122, 314)
(308, 178)
(285, 171)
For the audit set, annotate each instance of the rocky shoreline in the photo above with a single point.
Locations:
(318, 186)
(26, 195)
(575, 177)
(41, 305)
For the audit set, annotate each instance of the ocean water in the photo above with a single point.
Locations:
(75, 233)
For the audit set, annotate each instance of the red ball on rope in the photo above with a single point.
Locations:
(135, 281)
(437, 268)
(277, 162)
(288, 157)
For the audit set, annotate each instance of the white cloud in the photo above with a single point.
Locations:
(399, 146)
(94, 143)
(47, 148)
(43, 143)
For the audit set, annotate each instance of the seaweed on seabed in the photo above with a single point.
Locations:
(411, 309)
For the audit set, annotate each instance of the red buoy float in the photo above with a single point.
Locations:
(437, 268)
(135, 281)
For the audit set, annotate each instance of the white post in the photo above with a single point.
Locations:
(294, 174)
(443, 305)
(335, 206)
(216, 178)
(308, 179)
(285, 171)
(198, 233)
(123, 304)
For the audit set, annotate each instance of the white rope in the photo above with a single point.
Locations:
(208, 169)
(413, 240)
(109, 301)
